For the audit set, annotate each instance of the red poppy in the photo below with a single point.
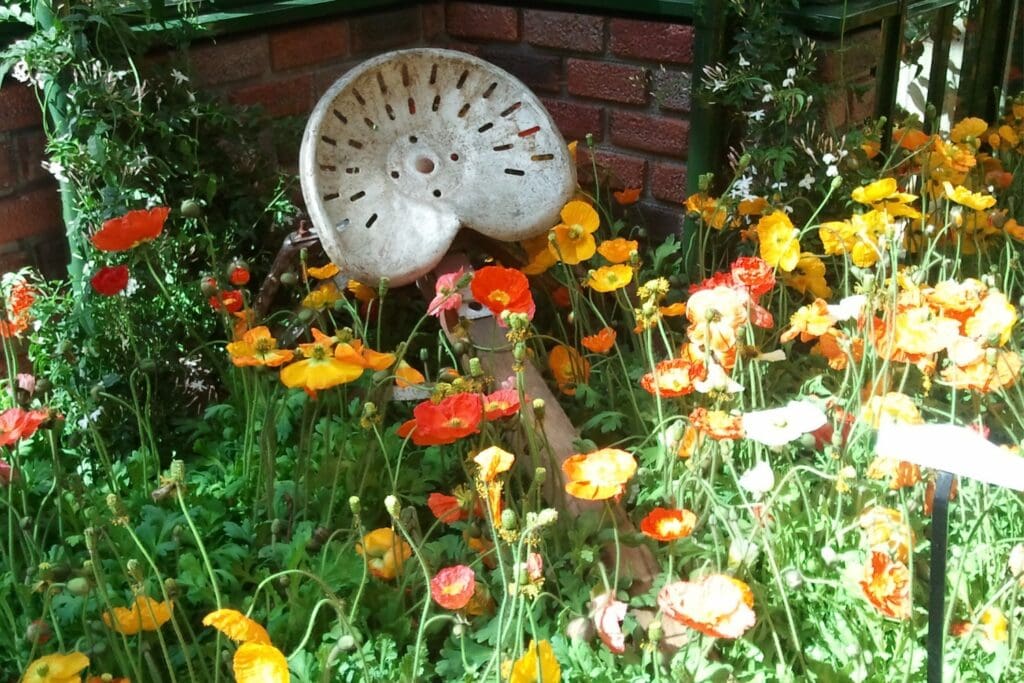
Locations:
(19, 300)
(503, 289)
(452, 587)
(17, 424)
(131, 229)
(239, 276)
(663, 524)
(560, 296)
(455, 417)
(110, 280)
(754, 274)
(501, 403)
(446, 508)
(230, 300)
(673, 378)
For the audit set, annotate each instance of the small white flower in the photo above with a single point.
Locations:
(772, 356)
(776, 427)
(743, 61)
(131, 287)
(20, 71)
(832, 171)
(742, 551)
(789, 81)
(829, 555)
(56, 169)
(756, 115)
(758, 480)
(780, 185)
(807, 182)
(178, 77)
(768, 96)
(829, 158)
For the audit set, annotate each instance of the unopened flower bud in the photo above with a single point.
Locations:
(458, 630)
(793, 578)
(392, 506)
(654, 631)
(178, 471)
(135, 570)
(346, 643)
(538, 408)
(547, 516)
(355, 505)
(190, 208)
(289, 278)
(79, 586)
(836, 182)
(540, 475)
(519, 352)
(476, 369)
(508, 519)
(171, 588)
(382, 288)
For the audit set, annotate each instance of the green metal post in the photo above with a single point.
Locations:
(889, 78)
(942, 37)
(707, 133)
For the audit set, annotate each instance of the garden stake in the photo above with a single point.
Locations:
(937, 576)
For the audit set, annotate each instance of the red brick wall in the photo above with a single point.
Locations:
(31, 231)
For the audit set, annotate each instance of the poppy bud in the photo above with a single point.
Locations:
(792, 577)
(538, 408)
(171, 588)
(190, 208)
(519, 352)
(654, 631)
(208, 286)
(99, 647)
(135, 570)
(284, 581)
(305, 315)
(38, 632)
(354, 505)
(540, 475)
(392, 506)
(458, 630)
(447, 375)
(238, 273)
(289, 278)
(508, 519)
(346, 643)
(78, 586)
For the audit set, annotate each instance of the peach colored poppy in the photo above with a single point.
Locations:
(717, 605)
(599, 475)
(886, 585)
(673, 378)
(453, 587)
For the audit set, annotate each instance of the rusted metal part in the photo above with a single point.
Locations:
(287, 255)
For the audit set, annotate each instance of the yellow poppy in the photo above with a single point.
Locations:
(539, 255)
(779, 245)
(257, 347)
(56, 668)
(617, 250)
(973, 200)
(808, 276)
(363, 293)
(146, 614)
(538, 663)
(319, 369)
(968, 128)
(574, 238)
(599, 475)
(875, 192)
(236, 626)
(610, 278)
(493, 461)
(260, 663)
(326, 294)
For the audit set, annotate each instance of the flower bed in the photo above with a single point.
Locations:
(366, 502)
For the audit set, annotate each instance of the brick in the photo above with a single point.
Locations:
(31, 155)
(432, 19)
(308, 44)
(658, 134)
(11, 261)
(8, 164)
(229, 60)
(857, 55)
(34, 212)
(292, 97)
(862, 100)
(615, 170)
(668, 181)
(324, 78)
(658, 41)
(576, 120)
(539, 72)
(564, 30)
(18, 107)
(477, 21)
(604, 81)
(660, 220)
(385, 30)
(672, 89)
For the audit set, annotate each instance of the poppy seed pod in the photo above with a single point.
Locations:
(508, 519)
(190, 208)
(79, 586)
(475, 367)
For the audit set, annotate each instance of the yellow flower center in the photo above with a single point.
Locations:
(263, 346)
(500, 296)
(575, 230)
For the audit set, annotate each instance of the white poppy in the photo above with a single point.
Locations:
(778, 426)
(758, 480)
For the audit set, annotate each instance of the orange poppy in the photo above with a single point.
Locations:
(455, 417)
(236, 626)
(617, 250)
(501, 403)
(361, 292)
(446, 508)
(602, 342)
(673, 310)
(838, 348)
(131, 229)
(627, 196)
(260, 663)
(886, 585)
(673, 378)
(407, 376)
(599, 475)
(385, 553)
(453, 587)
(929, 494)
(19, 301)
(910, 139)
(885, 531)
(985, 374)
(900, 473)
(257, 347)
(145, 614)
(325, 272)
(354, 353)
(755, 274)
(809, 322)
(539, 255)
(503, 289)
(716, 605)
(663, 524)
(717, 424)
(569, 368)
